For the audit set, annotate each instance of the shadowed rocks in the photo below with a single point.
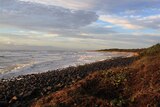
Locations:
(21, 91)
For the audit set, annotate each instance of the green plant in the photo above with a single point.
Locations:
(155, 49)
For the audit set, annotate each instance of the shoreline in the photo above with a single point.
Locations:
(133, 85)
(15, 74)
(29, 87)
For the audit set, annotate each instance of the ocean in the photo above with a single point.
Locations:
(21, 62)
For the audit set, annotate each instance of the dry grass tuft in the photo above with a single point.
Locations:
(137, 85)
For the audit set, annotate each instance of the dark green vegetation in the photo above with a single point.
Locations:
(154, 50)
(135, 85)
(122, 50)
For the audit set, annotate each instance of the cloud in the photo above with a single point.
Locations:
(97, 29)
(116, 7)
(59, 14)
(152, 21)
(119, 22)
(133, 22)
(38, 16)
(109, 6)
(78, 23)
(71, 4)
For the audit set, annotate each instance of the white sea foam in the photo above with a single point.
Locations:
(14, 63)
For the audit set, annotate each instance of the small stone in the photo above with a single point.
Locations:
(21, 94)
(58, 85)
(44, 89)
(49, 88)
(3, 104)
(14, 98)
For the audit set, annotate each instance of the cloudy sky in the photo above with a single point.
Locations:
(82, 24)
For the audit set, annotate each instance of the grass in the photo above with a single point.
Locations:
(136, 85)
(154, 50)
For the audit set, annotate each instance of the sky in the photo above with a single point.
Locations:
(79, 24)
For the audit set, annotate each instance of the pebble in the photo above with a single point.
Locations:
(13, 99)
(3, 104)
(23, 90)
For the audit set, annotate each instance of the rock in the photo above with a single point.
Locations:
(21, 94)
(44, 89)
(49, 88)
(13, 99)
(31, 94)
(59, 85)
(1, 96)
(28, 87)
(3, 104)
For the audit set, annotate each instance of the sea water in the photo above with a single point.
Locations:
(22, 62)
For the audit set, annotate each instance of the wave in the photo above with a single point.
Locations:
(14, 68)
(16, 63)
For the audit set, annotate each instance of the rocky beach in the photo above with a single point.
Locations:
(41, 90)
(79, 53)
(23, 90)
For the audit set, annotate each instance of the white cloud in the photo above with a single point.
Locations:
(75, 22)
(133, 22)
(37, 16)
(71, 4)
(119, 22)
(152, 21)
(104, 5)
(153, 17)
(84, 34)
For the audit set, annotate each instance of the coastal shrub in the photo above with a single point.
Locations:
(136, 85)
(110, 84)
(107, 88)
(154, 50)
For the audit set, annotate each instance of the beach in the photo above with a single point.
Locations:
(117, 82)
(79, 53)
(25, 89)
(22, 62)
